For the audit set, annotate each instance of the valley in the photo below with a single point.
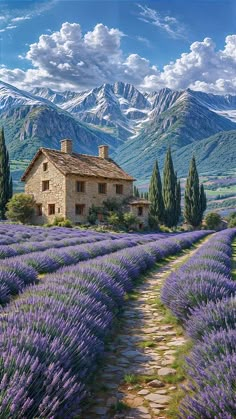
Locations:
(137, 126)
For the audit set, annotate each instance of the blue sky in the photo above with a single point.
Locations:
(152, 44)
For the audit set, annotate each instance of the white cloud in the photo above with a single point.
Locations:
(69, 59)
(144, 41)
(168, 24)
(12, 19)
(203, 68)
(20, 18)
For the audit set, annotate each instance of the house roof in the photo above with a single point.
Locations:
(140, 201)
(81, 164)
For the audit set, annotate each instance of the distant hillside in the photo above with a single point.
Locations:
(186, 123)
(137, 126)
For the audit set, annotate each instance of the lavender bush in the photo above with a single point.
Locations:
(203, 296)
(58, 328)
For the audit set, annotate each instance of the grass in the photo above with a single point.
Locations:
(119, 407)
(139, 379)
(146, 344)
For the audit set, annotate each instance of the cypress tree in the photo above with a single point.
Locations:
(136, 192)
(155, 195)
(193, 208)
(178, 201)
(5, 177)
(169, 190)
(203, 199)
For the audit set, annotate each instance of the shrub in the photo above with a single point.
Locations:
(185, 291)
(232, 220)
(113, 219)
(20, 208)
(129, 219)
(215, 347)
(213, 220)
(213, 316)
(215, 396)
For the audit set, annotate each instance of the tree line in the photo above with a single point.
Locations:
(165, 196)
(5, 176)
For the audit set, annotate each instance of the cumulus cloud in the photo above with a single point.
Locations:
(69, 59)
(168, 24)
(203, 68)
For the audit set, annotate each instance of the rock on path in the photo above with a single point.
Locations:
(132, 383)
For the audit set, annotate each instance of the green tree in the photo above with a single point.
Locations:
(203, 199)
(178, 201)
(169, 191)
(156, 210)
(136, 192)
(232, 220)
(114, 219)
(5, 176)
(20, 208)
(129, 219)
(213, 220)
(194, 197)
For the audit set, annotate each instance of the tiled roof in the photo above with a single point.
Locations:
(81, 164)
(140, 201)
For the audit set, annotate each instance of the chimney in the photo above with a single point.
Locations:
(66, 146)
(103, 151)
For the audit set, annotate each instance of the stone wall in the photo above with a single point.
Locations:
(55, 194)
(142, 219)
(91, 196)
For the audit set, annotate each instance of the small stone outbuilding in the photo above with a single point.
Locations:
(140, 208)
(68, 184)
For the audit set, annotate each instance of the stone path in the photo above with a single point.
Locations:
(135, 381)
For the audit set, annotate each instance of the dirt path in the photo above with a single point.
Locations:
(137, 379)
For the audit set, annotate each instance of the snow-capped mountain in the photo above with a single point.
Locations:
(119, 107)
(138, 126)
(125, 110)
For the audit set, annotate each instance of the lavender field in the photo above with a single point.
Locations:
(61, 291)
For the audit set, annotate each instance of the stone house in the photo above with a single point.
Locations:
(67, 184)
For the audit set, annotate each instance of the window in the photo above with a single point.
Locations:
(79, 209)
(45, 167)
(51, 209)
(58, 210)
(45, 185)
(39, 210)
(102, 188)
(119, 189)
(140, 210)
(80, 186)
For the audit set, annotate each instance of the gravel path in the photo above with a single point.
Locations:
(133, 382)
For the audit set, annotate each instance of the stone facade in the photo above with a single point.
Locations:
(58, 194)
(55, 195)
(140, 208)
(91, 195)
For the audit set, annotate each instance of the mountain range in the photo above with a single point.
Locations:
(137, 126)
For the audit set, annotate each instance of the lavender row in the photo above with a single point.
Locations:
(58, 329)
(202, 295)
(18, 272)
(13, 233)
(7, 251)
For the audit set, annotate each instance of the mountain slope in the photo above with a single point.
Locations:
(183, 123)
(137, 126)
(120, 106)
(216, 154)
(31, 122)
